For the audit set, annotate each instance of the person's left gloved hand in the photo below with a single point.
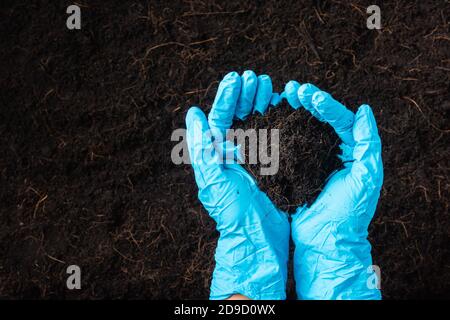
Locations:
(252, 250)
(332, 257)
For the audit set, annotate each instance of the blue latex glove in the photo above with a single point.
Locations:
(332, 254)
(252, 250)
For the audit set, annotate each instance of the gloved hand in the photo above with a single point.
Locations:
(332, 257)
(252, 250)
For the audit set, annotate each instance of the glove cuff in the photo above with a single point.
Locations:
(252, 254)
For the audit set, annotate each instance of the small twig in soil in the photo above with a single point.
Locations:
(55, 259)
(309, 40)
(420, 110)
(214, 13)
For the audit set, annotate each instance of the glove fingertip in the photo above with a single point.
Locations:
(319, 99)
(194, 114)
(249, 83)
(365, 125)
(224, 105)
(365, 109)
(233, 75)
(263, 94)
(290, 90)
(306, 91)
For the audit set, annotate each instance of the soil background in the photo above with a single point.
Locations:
(86, 118)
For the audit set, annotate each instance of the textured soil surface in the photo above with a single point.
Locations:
(308, 152)
(86, 118)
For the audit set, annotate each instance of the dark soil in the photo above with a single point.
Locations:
(308, 152)
(86, 118)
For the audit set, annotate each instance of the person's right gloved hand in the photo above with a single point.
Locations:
(332, 257)
(252, 250)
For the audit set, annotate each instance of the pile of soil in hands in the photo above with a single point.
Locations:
(308, 152)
